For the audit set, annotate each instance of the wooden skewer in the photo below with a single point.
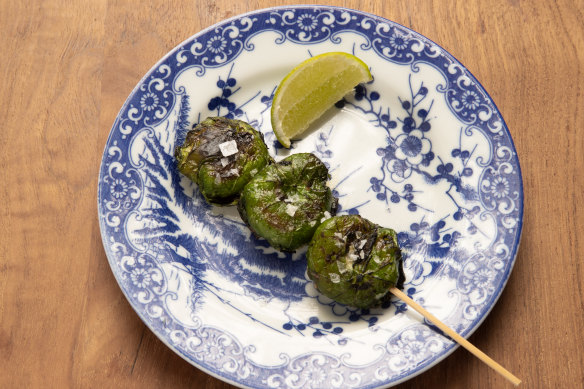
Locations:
(459, 339)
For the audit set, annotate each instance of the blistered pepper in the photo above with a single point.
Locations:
(288, 200)
(354, 261)
(221, 155)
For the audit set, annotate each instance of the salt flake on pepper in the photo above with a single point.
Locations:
(342, 266)
(291, 209)
(228, 148)
(335, 278)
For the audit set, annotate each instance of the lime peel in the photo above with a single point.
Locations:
(311, 88)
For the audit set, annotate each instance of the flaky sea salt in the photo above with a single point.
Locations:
(292, 199)
(228, 148)
(335, 278)
(291, 209)
(326, 215)
(342, 266)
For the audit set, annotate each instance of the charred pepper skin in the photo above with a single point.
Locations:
(221, 179)
(286, 201)
(354, 261)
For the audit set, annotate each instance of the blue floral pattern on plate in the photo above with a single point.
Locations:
(422, 149)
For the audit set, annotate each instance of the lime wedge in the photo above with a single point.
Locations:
(311, 88)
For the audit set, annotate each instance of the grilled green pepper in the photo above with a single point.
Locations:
(354, 261)
(221, 155)
(286, 201)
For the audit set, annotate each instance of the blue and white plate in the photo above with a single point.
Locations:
(422, 149)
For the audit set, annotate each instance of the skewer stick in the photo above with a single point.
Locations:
(459, 339)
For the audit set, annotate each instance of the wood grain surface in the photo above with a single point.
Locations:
(67, 67)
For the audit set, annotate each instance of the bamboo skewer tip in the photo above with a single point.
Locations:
(455, 336)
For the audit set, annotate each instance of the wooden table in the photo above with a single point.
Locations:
(67, 68)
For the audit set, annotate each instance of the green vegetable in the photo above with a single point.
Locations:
(354, 261)
(286, 201)
(205, 157)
